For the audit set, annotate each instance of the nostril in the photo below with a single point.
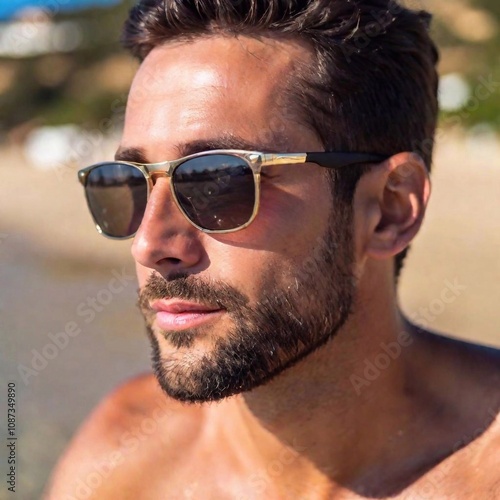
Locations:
(173, 260)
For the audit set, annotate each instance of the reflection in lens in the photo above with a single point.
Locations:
(117, 196)
(217, 192)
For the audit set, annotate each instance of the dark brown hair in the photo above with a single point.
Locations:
(371, 85)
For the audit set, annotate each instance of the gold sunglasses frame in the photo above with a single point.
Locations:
(256, 161)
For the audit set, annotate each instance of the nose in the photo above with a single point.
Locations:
(165, 240)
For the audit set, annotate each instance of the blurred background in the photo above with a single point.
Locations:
(63, 90)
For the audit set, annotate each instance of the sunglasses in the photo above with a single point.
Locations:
(217, 191)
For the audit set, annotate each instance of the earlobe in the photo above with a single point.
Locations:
(404, 191)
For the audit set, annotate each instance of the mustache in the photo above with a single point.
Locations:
(192, 288)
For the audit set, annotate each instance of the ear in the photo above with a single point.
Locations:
(398, 192)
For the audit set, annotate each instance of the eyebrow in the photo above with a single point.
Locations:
(138, 155)
(134, 155)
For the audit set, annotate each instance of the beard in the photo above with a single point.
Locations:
(288, 323)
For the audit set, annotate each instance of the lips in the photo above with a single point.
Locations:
(180, 315)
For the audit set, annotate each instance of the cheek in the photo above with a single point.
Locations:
(289, 226)
(292, 215)
(284, 224)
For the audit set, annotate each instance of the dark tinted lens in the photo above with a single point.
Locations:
(216, 192)
(117, 197)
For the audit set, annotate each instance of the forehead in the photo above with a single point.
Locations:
(212, 86)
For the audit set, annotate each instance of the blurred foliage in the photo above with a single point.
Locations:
(468, 35)
(84, 86)
(87, 85)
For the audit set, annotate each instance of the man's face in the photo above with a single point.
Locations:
(227, 312)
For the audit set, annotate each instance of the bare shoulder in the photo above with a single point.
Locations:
(472, 472)
(469, 379)
(470, 376)
(472, 367)
(134, 422)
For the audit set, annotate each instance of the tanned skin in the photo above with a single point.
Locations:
(426, 427)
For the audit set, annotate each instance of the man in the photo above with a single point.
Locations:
(267, 275)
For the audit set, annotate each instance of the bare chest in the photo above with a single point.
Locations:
(207, 482)
(213, 472)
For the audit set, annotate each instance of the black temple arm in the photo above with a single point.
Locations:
(337, 160)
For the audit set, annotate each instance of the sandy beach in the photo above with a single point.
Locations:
(54, 262)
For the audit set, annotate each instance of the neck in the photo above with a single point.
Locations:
(340, 406)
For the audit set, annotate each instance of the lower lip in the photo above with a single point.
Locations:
(185, 320)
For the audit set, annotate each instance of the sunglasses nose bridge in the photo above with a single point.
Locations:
(158, 175)
(159, 171)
